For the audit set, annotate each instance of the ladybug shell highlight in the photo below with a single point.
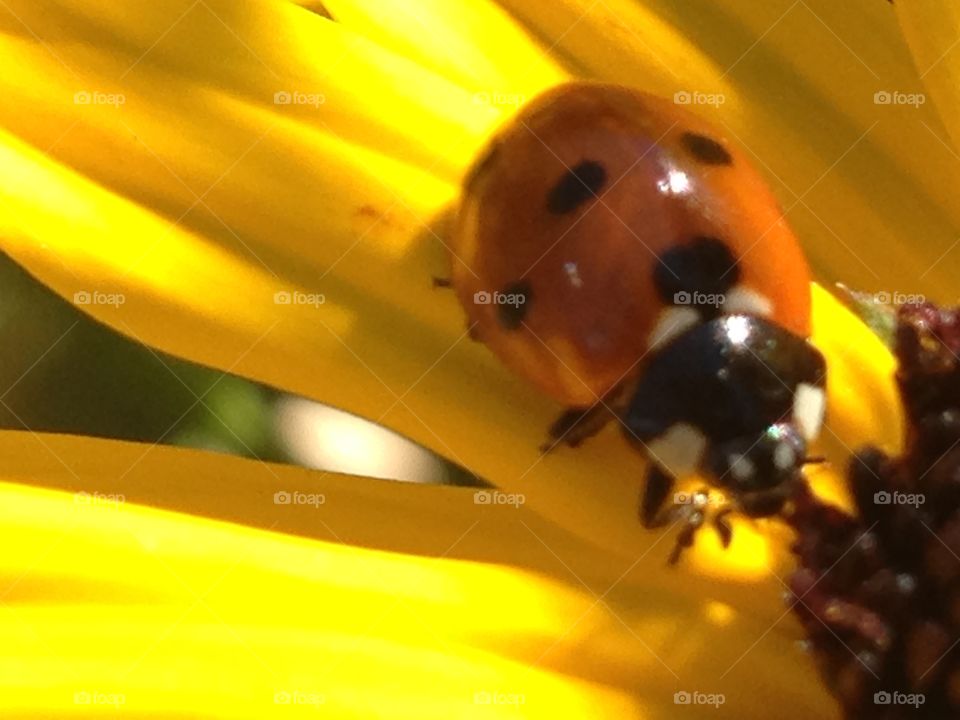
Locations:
(602, 222)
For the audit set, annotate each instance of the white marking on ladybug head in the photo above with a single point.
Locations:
(672, 321)
(741, 299)
(741, 467)
(678, 450)
(784, 456)
(809, 405)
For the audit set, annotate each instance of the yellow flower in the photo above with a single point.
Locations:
(197, 157)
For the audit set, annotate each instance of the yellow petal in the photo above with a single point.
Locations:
(116, 597)
(443, 37)
(138, 90)
(932, 30)
(864, 404)
(112, 604)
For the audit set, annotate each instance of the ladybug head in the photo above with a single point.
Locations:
(760, 472)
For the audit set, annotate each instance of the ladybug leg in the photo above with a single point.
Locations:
(579, 424)
(722, 525)
(576, 425)
(691, 512)
(656, 489)
(685, 538)
(694, 516)
(440, 283)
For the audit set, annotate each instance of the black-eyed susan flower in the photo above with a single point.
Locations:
(877, 591)
(208, 161)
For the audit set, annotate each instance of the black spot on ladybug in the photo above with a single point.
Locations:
(697, 274)
(576, 187)
(705, 149)
(513, 304)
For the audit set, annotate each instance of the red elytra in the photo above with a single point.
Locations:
(575, 205)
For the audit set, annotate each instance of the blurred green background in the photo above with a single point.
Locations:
(62, 371)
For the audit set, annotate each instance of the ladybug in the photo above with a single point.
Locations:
(619, 253)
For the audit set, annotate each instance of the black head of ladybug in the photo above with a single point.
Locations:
(736, 400)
